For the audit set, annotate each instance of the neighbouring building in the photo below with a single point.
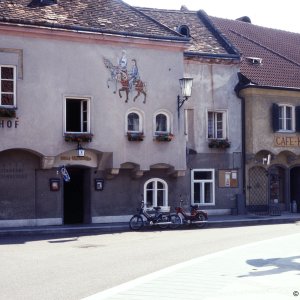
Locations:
(269, 88)
(212, 116)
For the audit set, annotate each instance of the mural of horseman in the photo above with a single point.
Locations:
(129, 81)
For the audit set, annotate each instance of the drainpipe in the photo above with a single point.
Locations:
(242, 84)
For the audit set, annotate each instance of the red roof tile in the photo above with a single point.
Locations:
(279, 52)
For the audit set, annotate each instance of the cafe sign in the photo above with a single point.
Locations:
(286, 141)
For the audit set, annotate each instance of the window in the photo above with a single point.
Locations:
(203, 186)
(283, 117)
(162, 122)
(216, 125)
(134, 122)
(77, 118)
(155, 193)
(8, 86)
(286, 118)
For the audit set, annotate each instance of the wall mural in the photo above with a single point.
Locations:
(129, 80)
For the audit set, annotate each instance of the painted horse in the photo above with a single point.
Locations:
(118, 75)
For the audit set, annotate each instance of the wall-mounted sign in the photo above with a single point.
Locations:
(286, 141)
(228, 178)
(99, 184)
(54, 184)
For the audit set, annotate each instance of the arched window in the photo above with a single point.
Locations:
(134, 122)
(156, 193)
(162, 123)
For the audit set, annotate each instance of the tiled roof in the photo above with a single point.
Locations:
(107, 16)
(204, 40)
(279, 52)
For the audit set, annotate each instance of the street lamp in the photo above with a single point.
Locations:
(186, 84)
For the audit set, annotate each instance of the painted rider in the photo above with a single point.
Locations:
(134, 74)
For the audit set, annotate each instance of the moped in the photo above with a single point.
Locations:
(143, 218)
(196, 216)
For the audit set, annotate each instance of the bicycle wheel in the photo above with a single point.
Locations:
(176, 221)
(136, 222)
(163, 219)
(201, 219)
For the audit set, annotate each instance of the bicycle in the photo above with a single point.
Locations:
(160, 219)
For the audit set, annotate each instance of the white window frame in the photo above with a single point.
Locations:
(155, 189)
(141, 121)
(224, 124)
(168, 120)
(284, 118)
(14, 83)
(82, 121)
(202, 189)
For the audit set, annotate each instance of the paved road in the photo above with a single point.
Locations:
(74, 267)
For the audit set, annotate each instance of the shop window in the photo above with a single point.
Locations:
(8, 86)
(156, 193)
(77, 115)
(216, 125)
(203, 186)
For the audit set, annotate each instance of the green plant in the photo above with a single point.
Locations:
(216, 143)
(78, 137)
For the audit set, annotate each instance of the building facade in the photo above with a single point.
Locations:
(269, 90)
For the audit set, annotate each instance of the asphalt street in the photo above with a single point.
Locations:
(72, 267)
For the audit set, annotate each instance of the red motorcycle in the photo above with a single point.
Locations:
(196, 216)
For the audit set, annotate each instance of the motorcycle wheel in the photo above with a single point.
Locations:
(136, 222)
(176, 221)
(163, 219)
(200, 217)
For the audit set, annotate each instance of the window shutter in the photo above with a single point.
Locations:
(275, 117)
(298, 118)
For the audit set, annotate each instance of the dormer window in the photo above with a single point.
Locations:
(184, 30)
(37, 3)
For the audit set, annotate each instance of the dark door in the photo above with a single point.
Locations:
(74, 197)
(295, 186)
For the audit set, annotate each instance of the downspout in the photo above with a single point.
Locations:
(242, 84)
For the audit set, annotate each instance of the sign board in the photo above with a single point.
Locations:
(228, 178)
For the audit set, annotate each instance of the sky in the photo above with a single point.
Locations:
(276, 14)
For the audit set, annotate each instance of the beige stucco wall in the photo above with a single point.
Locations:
(258, 131)
(213, 89)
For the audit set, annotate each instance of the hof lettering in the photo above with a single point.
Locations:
(9, 123)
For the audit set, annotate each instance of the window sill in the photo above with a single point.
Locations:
(7, 112)
(135, 136)
(78, 137)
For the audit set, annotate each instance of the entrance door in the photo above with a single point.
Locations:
(74, 197)
(295, 186)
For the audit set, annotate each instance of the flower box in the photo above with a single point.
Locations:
(6, 112)
(135, 136)
(163, 137)
(221, 144)
(78, 137)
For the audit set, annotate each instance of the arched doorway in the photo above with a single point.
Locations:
(258, 191)
(295, 186)
(77, 196)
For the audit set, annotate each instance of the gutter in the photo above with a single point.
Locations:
(6, 21)
(211, 55)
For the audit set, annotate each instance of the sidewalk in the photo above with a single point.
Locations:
(213, 221)
(260, 271)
